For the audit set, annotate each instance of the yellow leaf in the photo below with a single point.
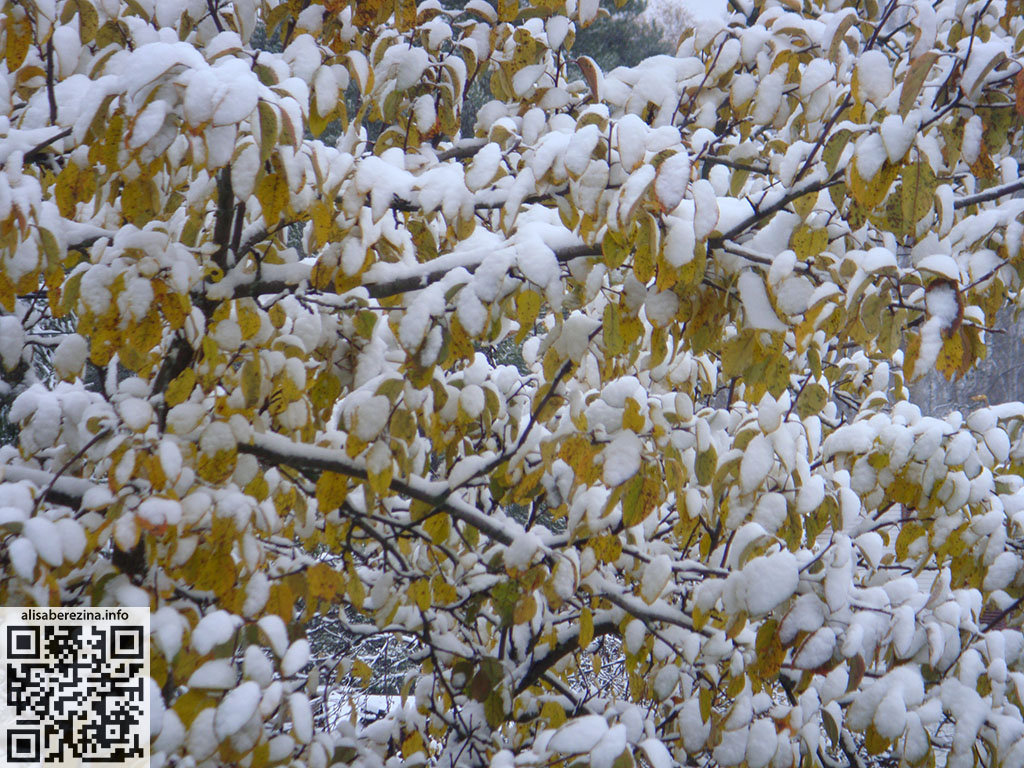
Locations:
(190, 704)
(269, 129)
(331, 490)
(272, 192)
(607, 547)
(139, 201)
(405, 14)
(88, 21)
(632, 418)
(527, 310)
(951, 356)
(808, 243)
(870, 192)
(73, 186)
(218, 467)
(323, 582)
(438, 526)
(367, 13)
(6, 293)
(19, 37)
(322, 217)
(356, 589)
(443, 592)
(917, 191)
(552, 714)
(251, 380)
(248, 319)
(361, 670)
(525, 610)
(507, 9)
(412, 745)
(586, 628)
(419, 591)
(612, 330)
(917, 73)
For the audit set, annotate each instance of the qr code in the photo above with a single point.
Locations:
(74, 687)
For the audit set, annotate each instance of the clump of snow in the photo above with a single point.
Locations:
(672, 180)
(874, 77)
(705, 208)
(973, 133)
(622, 458)
(758, 460)
(769, 581)
(756, 305)
(522, 550)
(235, 709)
(579, 735)
(276, 632)
(12, 341)
(69, 357)
(212, 630)
(898, 136)
(656, 576)
(23, 557)
(295, 658)
(219, 674)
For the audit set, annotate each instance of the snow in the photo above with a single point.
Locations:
(622, 458)
(578, 736)
(257, 667)
(943, 305)
(655, 577)
(658, 756)
(276, 633)
(213, 630)
(940, 264)
(12, 341)
(45, 538)
(72, 539)
(219, 674)
(522, 550)
(69, 356)
(680, 242)
(295, 658)
(694, 730)
(756, 304)
(758, 460)
(23, 557)
(609, 748)
(236, 709)
(302, 717)
(160, 511)
(897, 136)
(484, 167)
(874, 77)
(973, 134)
(202, 742)
(672, 180)
(762, 743)
(631, 134)
(705, 213)
(816, 650)
(870, 156)
(769, 581)
(768, 98)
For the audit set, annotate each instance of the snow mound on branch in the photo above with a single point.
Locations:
(769, 581)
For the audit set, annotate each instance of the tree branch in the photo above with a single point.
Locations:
(989, 194)
(275, 449)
